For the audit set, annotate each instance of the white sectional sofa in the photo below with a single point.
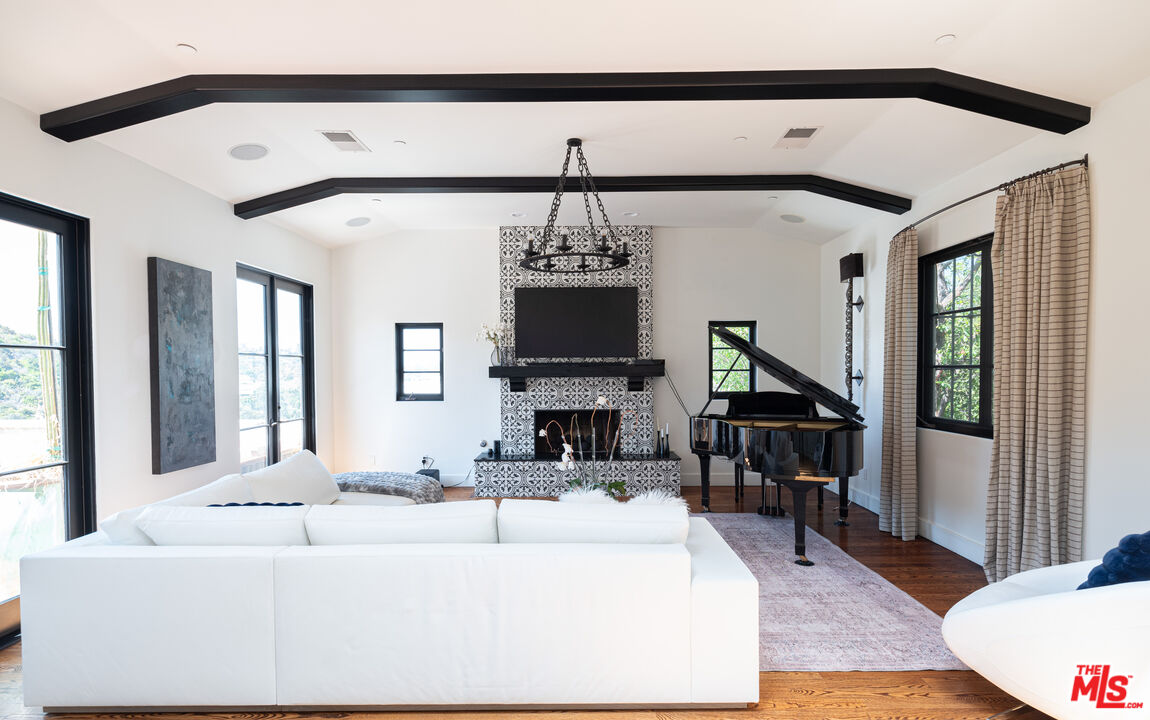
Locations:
(427, 606)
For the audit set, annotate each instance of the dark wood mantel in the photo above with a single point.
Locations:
(634, 372)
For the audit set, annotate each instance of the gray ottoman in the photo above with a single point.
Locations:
(420, 488)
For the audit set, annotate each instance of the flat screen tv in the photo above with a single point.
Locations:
(595, 322)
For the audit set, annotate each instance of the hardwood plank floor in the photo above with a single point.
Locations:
(932, 575)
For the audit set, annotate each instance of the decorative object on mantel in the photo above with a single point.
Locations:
(182, 366)
(594, 473)
(498, 337)
(851, 267)
(609, 253)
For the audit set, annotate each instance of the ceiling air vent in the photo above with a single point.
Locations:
(796, 138)
(344, 140)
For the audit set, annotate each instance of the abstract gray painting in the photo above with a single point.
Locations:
(183, 371)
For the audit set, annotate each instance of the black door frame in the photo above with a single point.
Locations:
(76, 302)
(273, 282)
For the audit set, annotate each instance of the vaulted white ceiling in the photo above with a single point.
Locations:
(57, 53)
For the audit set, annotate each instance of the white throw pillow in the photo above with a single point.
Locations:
(300, 478)
(229, 488)
(121, 527)
(543, 521)
(470, 521)
(173, 525)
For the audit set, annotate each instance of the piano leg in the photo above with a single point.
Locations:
(738, 481)
(705, 480)
(820, 497)
(799, 492)
(844, 501)
(775, 509)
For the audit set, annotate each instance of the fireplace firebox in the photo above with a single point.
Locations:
(582, 432)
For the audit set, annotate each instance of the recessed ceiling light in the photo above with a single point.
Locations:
(772, 197)
(630, 213)
(518, 214)
(187, 49)
(358, 221)
(792, 218)
(945, 39)
(378, 200)
(740, 138)
(248, 151)
(399, 142)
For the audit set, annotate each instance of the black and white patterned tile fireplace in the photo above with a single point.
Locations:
(521, 470)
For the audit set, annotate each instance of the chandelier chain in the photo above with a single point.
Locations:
(555, 202)
(598, 200)
(583, 173)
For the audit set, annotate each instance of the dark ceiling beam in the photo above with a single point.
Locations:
(642, 183)
(193, 91)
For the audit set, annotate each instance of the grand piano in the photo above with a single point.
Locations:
(781, 436)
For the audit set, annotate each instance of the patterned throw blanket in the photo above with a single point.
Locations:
(420, 488)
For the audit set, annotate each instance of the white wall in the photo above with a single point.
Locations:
(137, 212)
(728, 274)
(448, 276)
(451, 276)
(953, 470)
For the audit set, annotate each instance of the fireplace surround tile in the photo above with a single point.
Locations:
(517, 409)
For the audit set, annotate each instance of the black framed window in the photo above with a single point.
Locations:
(722, 356)
(276, 367)
(956, 339)
(47, 484)
(419, 361)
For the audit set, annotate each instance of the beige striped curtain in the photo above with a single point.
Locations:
(1041, 262)
(898, 492)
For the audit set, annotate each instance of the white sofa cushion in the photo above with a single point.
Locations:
(300, 478)
(167, 525)
(543, 521)
(121, 527)
(476, 624)
(454, 522)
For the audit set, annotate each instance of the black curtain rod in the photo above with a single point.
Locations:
(1084, 162)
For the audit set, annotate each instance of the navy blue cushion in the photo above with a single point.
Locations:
(255, 504)
(1129, 562)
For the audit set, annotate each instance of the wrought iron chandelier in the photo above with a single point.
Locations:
(556, 254)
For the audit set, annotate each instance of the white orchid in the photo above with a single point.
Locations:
(568, 450)
(567, 462)
(543, 433)
(601, 400)
(495, 335)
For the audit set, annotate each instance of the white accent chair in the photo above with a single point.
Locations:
(1029, 633)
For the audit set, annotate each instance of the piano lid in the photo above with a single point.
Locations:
(789, 376)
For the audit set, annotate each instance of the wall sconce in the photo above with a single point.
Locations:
(851, 267)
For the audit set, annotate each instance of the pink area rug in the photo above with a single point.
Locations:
(835, 616)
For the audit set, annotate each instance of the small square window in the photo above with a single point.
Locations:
(419, 361)
(729, 370)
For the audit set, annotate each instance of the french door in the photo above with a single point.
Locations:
(46, 484)
(276, 367)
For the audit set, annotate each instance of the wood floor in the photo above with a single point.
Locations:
(935, 577)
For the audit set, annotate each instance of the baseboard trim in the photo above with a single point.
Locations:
(972, 550)
(390, 708)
